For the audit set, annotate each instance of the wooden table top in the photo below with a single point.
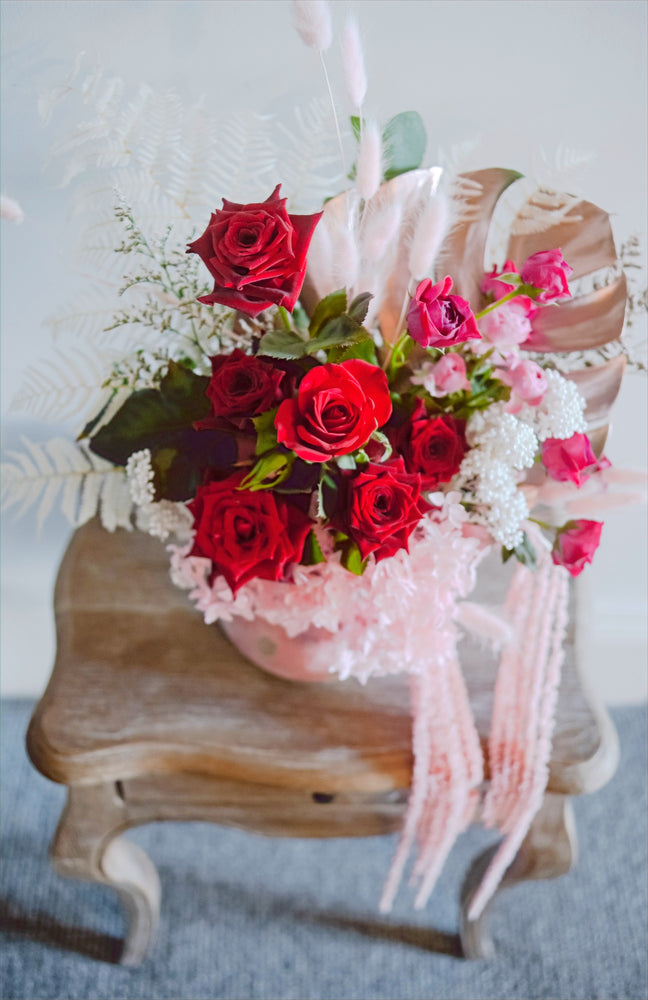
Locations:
(141, 686)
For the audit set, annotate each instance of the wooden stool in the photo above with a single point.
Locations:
(150, 715)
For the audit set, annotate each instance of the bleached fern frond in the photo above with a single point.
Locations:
(83, 483)
(65, 385)
(308, 160)
(245, 166)
(85, 316)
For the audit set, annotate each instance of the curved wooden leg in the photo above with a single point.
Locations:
(549, 849)
(87, 846)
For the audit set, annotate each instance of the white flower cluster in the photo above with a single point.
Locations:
(162, 518)
(561, 412)
(139, 473)
(501, 447)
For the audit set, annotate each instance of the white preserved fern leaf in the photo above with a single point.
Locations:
(64, 386)
(61, 469)
(308, 160)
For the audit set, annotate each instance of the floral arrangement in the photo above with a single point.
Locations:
(332, 416)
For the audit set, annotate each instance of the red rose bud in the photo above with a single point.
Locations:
(241, 386)
(548, 272)
(380, 507)
(256, 254)
(437, 319)
(246, 534)
(433, 447)
(571, 459)
(575, 545)
(337, 409)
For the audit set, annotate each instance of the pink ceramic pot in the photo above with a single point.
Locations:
(305, 657)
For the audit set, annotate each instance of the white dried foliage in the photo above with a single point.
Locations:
(369, 163)
(67, 384)
(312, 20)
(429, 234)
(308, 156)
(353, 63)
(62, 470)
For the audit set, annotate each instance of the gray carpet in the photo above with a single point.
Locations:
(248, 917)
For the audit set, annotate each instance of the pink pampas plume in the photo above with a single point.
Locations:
(312, 19)
(428, 236)
(11, 210)
(353, 62)
(369, 166)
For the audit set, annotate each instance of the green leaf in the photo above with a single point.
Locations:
(282, 344)
(524, 553)
(328, 308)
(150, 415)
(355, 125)
(352, 560)
(271, 469)
(312, 554)
(404, 142)
(360, 306)
(264, 425)
(345, 462)
(338, 332)
(364, 350)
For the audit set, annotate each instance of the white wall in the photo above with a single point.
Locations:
(516, 77)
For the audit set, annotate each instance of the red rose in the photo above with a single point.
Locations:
(431, 446)
(337, 409)
(570, 459)
(246, 534)
(256, 254)
(379, 508)
(241, 386)
(576, 544)
(547, 271)
(437, 319)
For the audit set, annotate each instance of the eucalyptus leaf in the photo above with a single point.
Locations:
(404, 142)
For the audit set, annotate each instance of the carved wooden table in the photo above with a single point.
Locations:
(149, 715)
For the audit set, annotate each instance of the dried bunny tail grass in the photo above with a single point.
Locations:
(380, 228)
(312, 19)
(369, 169)
(345, 257)
(353, 62)
(428, 236)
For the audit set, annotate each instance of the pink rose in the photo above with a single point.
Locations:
(508, 324)
(547, 271)
(575, 545)
(449, 374)
(256, 254)
(527, 381)
(337, 409)
(437, 319)
(493, 286)
(571, 459)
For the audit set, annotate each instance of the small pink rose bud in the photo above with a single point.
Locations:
(547, 271)
(571, 459)
(528, 381)
(437, 319)
(508, 324)
(575, 545)
(450, 375)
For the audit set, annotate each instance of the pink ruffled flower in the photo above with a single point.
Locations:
(449, 374)
(527, 381)
(576, 544)
(547, 271)
(508, 324)
(571, 459)
(437, 319)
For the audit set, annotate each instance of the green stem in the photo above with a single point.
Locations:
(543, 524)
(499, 302)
